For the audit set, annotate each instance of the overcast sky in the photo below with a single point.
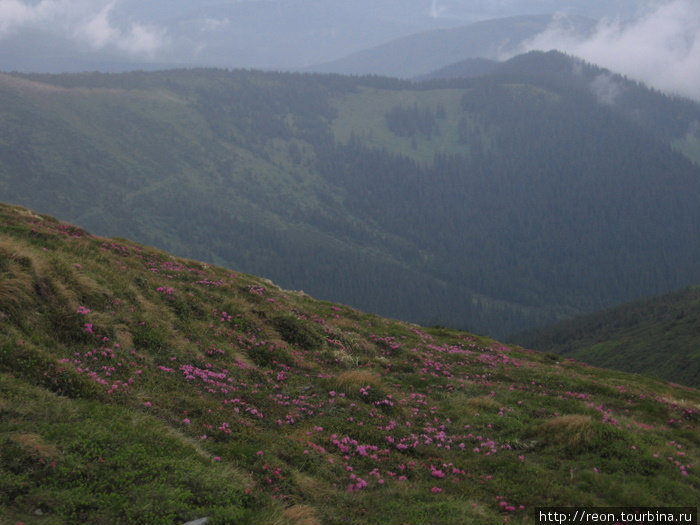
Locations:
(657, 41)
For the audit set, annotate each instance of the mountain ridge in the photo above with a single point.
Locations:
(673, 119)
(421, 53)
(347, 186)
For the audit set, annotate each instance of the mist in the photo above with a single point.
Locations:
(660, 47)
(89, 24)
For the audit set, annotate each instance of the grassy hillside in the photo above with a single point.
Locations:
(136, 386)
(658, 336)
(674, 120)
(497, 204)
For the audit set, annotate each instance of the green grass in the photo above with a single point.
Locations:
(136, 387)
(90, 462)
(362, 114)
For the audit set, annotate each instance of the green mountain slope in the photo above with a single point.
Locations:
(138, 387)
(674, 120)
(497, 203)
(658, 336)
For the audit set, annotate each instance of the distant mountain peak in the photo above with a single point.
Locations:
(419, 54)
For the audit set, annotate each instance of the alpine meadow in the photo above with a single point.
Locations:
(139, 387)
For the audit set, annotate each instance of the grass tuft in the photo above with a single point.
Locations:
(573, 430)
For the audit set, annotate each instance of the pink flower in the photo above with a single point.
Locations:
(436, 490)
(436, 473)
(147, 404)
(259, 452)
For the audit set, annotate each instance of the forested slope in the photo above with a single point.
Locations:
(498, 203)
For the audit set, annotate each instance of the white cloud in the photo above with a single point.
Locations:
(214, 24)
(143, 39)
(138, 39)
(661, 47)
(606, 89)
(437, 10)
(87, 21)
(15, 14)
(98, 31)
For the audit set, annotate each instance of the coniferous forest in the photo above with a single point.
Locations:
(497, 204)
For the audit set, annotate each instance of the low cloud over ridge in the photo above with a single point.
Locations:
(661, 47)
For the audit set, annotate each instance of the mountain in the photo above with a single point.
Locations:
(470, 67)
(132, 35)
(139, 387)
(497, 204)
(674, 120)
(421, 53)
(129, 34)
(658, 336)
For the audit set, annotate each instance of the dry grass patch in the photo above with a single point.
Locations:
(346, 359)
(683, 404)
(35, 445)
(300, 515)
(312, 488)
(123, 336)
(352, 380)
(243, 358)
(16, 286)
(569, 430)
(14, 293)
(483, 404)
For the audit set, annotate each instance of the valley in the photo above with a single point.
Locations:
(497, 204)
